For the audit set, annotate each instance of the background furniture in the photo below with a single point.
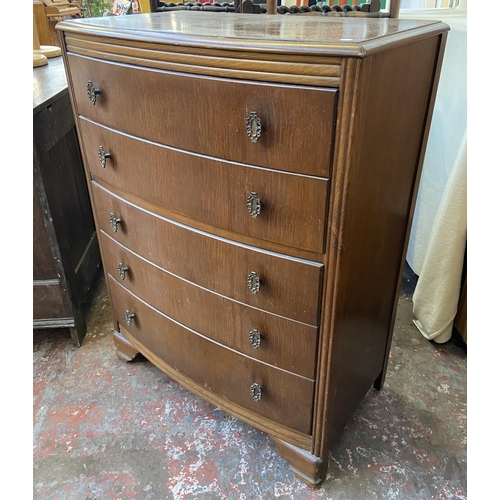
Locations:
(65, 248)
(42, 52)
(48, 13)
(334, 8)
(42, 24)
(253, 194)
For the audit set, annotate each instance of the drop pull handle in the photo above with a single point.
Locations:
(114, 221)
(253, 126)
(103, 156)
(253, 205)
(92, 92)
(253, 282)
(129, 316)
(256, 392)
(254, 338)
(122, 270)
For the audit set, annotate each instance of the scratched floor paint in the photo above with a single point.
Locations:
(108, 430)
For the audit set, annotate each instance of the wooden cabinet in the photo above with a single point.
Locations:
(65, 246)
(253, 180)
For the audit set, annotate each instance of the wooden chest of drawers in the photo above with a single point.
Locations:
(253, 180)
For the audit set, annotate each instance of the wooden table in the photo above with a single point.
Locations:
(65, 249)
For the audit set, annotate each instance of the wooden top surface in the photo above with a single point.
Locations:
(342, 36)
(49, 83)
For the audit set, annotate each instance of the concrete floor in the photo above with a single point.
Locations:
(104, 429)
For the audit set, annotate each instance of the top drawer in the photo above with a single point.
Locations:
(211, 116)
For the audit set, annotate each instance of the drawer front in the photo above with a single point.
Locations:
(269, 338)
(269, 281)
(285, 398)
(286, 208)
(209, 115)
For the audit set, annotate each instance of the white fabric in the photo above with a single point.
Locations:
(436, 295)
(449, 122)
(438, 234)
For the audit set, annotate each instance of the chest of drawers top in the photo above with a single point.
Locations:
(273, 36)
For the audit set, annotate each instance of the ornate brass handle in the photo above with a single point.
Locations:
(254, 338)
(122, 270)
(253, 282)
(92, 92)
(114, 222)
(256, 392)
(253, 126)
(253, 205)
(103, 156)
(128, 317)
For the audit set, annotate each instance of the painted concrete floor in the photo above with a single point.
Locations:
(108, 430)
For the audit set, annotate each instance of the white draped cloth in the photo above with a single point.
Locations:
(439, 230)
(436, 296)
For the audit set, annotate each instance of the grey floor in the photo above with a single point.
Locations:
(105, 429)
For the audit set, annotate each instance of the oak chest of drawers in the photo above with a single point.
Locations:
(253, 180)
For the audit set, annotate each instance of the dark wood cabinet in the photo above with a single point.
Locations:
(65, 246)
(253, 180)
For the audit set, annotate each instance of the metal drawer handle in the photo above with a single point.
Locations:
(256, 392)
(103, 156)
(92, 92)
(253, 205)
(114, 222)
(253, 282)
(128, 317)
(254, 338)
(122, 270)
(253, 126)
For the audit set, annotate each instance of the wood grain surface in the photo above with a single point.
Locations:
(49, 83)
(296, 35)
(320, 71)
(289, 287)
(284, 343)
(170, 108)
(233, 374)
(293, 207)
